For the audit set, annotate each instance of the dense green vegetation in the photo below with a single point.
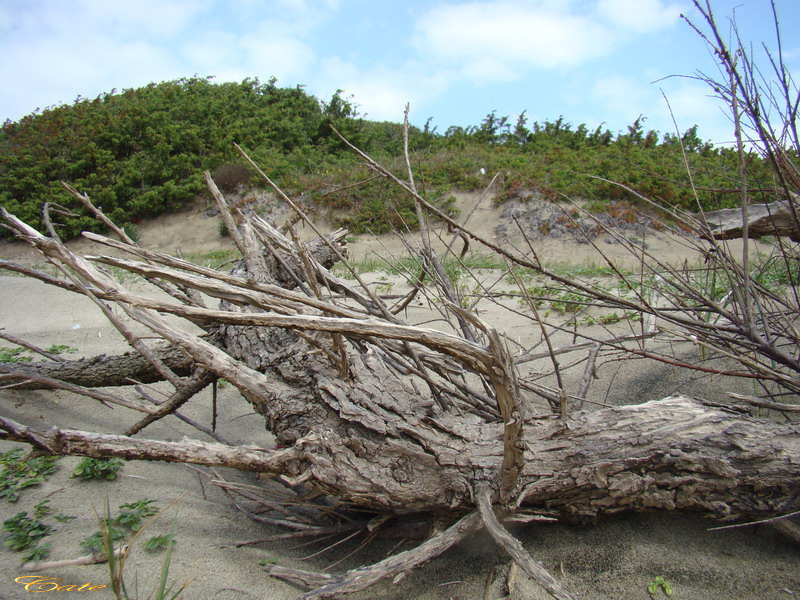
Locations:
(141, 152)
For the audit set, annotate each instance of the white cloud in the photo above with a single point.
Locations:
(671, 106)
(502, 40)
(381, 93)
(692, 103)
(57, 70)
(143, 17)
(309, 6)
(210, 51)
(492, 41)
(54, 50)
(639, 16)
(623, 98)
(267, 51)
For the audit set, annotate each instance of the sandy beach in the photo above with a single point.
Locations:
(614, 559)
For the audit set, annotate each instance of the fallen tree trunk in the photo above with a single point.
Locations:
(678, 453)
(398, 418)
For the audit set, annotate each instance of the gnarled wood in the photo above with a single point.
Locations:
(338, 380)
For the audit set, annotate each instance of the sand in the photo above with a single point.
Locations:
(615, 559)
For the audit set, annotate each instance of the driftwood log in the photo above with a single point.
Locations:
(391, 417)
(778, 218)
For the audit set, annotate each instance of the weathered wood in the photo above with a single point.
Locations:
(778, 218)
(678, 453)
(337, 378)
(98, 445)
(370, 439)
(106, 371)
(672, 454)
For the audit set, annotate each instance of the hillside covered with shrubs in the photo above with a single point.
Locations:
(141, 152)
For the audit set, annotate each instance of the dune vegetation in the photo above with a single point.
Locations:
(141, 152)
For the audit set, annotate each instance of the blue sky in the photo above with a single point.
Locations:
(592, 61)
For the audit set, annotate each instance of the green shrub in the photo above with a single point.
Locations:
(25, 531)
(18, 474)
(127, 522)
(98, 468)
(223, 229)
(13, 355)
(141, 152)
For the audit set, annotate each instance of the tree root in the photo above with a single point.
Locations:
(514, 548)
(355, 580)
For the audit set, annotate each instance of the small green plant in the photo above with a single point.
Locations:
(366, 265)
(567, 302)
(778, 272)
(61, 349)
(160, 542)
(383, 285)
(559, 301)
(163, 590)
(38, 552)
(659, 582)
(132, 515)
(13, 355)
(95, 543)
(223, 230)
(129, 520)
(215, 259)
(43, 509)
(129, 523)
(609, 319)
(18, 474)
(22, 355)
(26, 532)
(98, 468)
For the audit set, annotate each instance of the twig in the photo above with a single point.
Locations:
(185, 294)
(33, 348)
(511, 580)
(766, 403)
(198, 381)
(589, 373)
(88, 559)
(759, 522)
(105, 398)
(487, 587)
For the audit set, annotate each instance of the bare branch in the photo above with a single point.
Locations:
(514, 548)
